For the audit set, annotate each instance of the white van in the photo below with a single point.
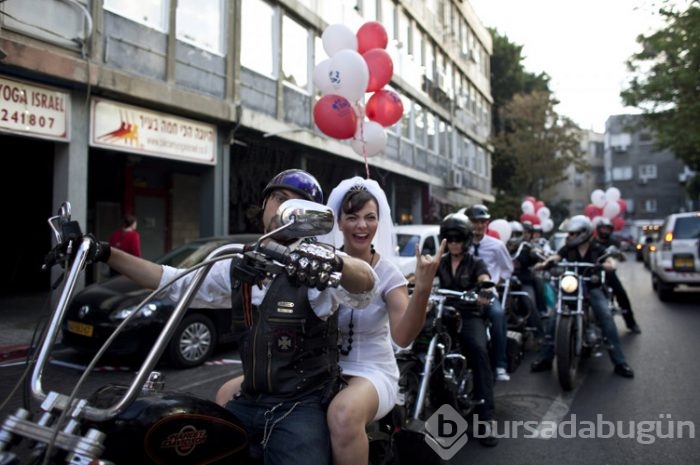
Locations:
(675, 260)
(407, 236)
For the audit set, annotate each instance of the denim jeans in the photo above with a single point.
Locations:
(603, 314)
(473, 339)
(287, 433)
(499, 332)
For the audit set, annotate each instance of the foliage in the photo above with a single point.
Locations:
(666, 83)
(533, 145)
(540, 143)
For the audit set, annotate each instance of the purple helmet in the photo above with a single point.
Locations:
(298, 181)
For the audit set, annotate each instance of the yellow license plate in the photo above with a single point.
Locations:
(684, 263)
(80, 328)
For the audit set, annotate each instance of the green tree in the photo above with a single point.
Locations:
(540, 143)
(665, 83)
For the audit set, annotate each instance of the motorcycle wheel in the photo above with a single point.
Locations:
(193, 342)
(565, 350)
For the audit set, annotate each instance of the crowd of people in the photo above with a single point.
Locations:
(335, 371)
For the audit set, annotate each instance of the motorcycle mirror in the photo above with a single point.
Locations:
(303, 218)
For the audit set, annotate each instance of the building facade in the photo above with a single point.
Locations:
(651, 181)
(179, 112)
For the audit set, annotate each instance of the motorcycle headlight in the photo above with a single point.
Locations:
(144, 312)
(568, 284)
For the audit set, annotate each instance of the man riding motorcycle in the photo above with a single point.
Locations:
(580, 247)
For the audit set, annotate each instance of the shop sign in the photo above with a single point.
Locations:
(132, 129)
(33, 110)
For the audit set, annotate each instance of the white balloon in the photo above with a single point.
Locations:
(321, 77)
(598, 198)
(527, 207)
(349, 75)
(611, 210)
(543, 213)
(337, 37)
(547, 225)
(596, 220)
(502, 228)
(612, 194)
(370, 139)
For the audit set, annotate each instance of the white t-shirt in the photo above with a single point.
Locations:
(372, 355)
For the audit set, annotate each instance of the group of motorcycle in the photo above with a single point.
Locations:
(162, 426)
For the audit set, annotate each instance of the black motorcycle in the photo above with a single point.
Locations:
(434, 370)
(144, 423)
(577, 334)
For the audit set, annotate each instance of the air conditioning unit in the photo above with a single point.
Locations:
(455, 180)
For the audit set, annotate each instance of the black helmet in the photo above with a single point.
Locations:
(604, 228)
(582, 229)
(478, 212)
(456, 224)
(298, 181)
(527, 226)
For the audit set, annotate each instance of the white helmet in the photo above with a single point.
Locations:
(516, 235)
(580, 229)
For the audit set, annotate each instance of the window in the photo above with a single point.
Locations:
(295, 53)
(645, 138)
(647, 171)
(622, 173)
(258, 37)
(650, 205)
(152, 13)
(201, 23)
(419, 116)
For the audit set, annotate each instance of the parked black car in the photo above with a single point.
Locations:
(97, 310)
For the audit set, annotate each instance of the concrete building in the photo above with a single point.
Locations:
(651, 181)
(179, 112)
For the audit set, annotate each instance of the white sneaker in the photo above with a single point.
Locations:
(502, 375)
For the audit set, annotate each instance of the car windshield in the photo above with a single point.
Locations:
(190, 254)
(406, 244)
(687, 228)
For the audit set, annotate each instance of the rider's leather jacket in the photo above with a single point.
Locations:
(287, 351)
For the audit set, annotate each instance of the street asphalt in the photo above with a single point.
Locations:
(21, 320)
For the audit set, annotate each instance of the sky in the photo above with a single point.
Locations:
(581, 45)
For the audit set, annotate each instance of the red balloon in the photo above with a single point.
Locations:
(539, 204)
(532, 218)
(335, 116)
(384, 107)
(371, 35)
(618, 223)
(623, 206)
(492, 233)
(591, 211)
(380, 66)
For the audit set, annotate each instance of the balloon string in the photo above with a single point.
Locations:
(364, 149)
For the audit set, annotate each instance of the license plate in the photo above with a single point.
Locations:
(80, 328)
(683, 263)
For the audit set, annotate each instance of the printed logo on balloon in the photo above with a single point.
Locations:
(357, 63)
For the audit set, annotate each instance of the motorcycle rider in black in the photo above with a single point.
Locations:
(580, 247)
(288, 328)
(460, 271)
(604, 237)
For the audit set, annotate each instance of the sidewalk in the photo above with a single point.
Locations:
(20, 317)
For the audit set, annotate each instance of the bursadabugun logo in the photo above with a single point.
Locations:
(644, 432)
(447, 430)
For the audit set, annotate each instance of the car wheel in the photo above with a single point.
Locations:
(193, 342)
(663, 291)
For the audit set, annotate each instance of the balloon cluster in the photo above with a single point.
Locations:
(607, 204)
(536, 212)
(357, 63)
(500, 229)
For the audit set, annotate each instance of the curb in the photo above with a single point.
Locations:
(13, 352)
